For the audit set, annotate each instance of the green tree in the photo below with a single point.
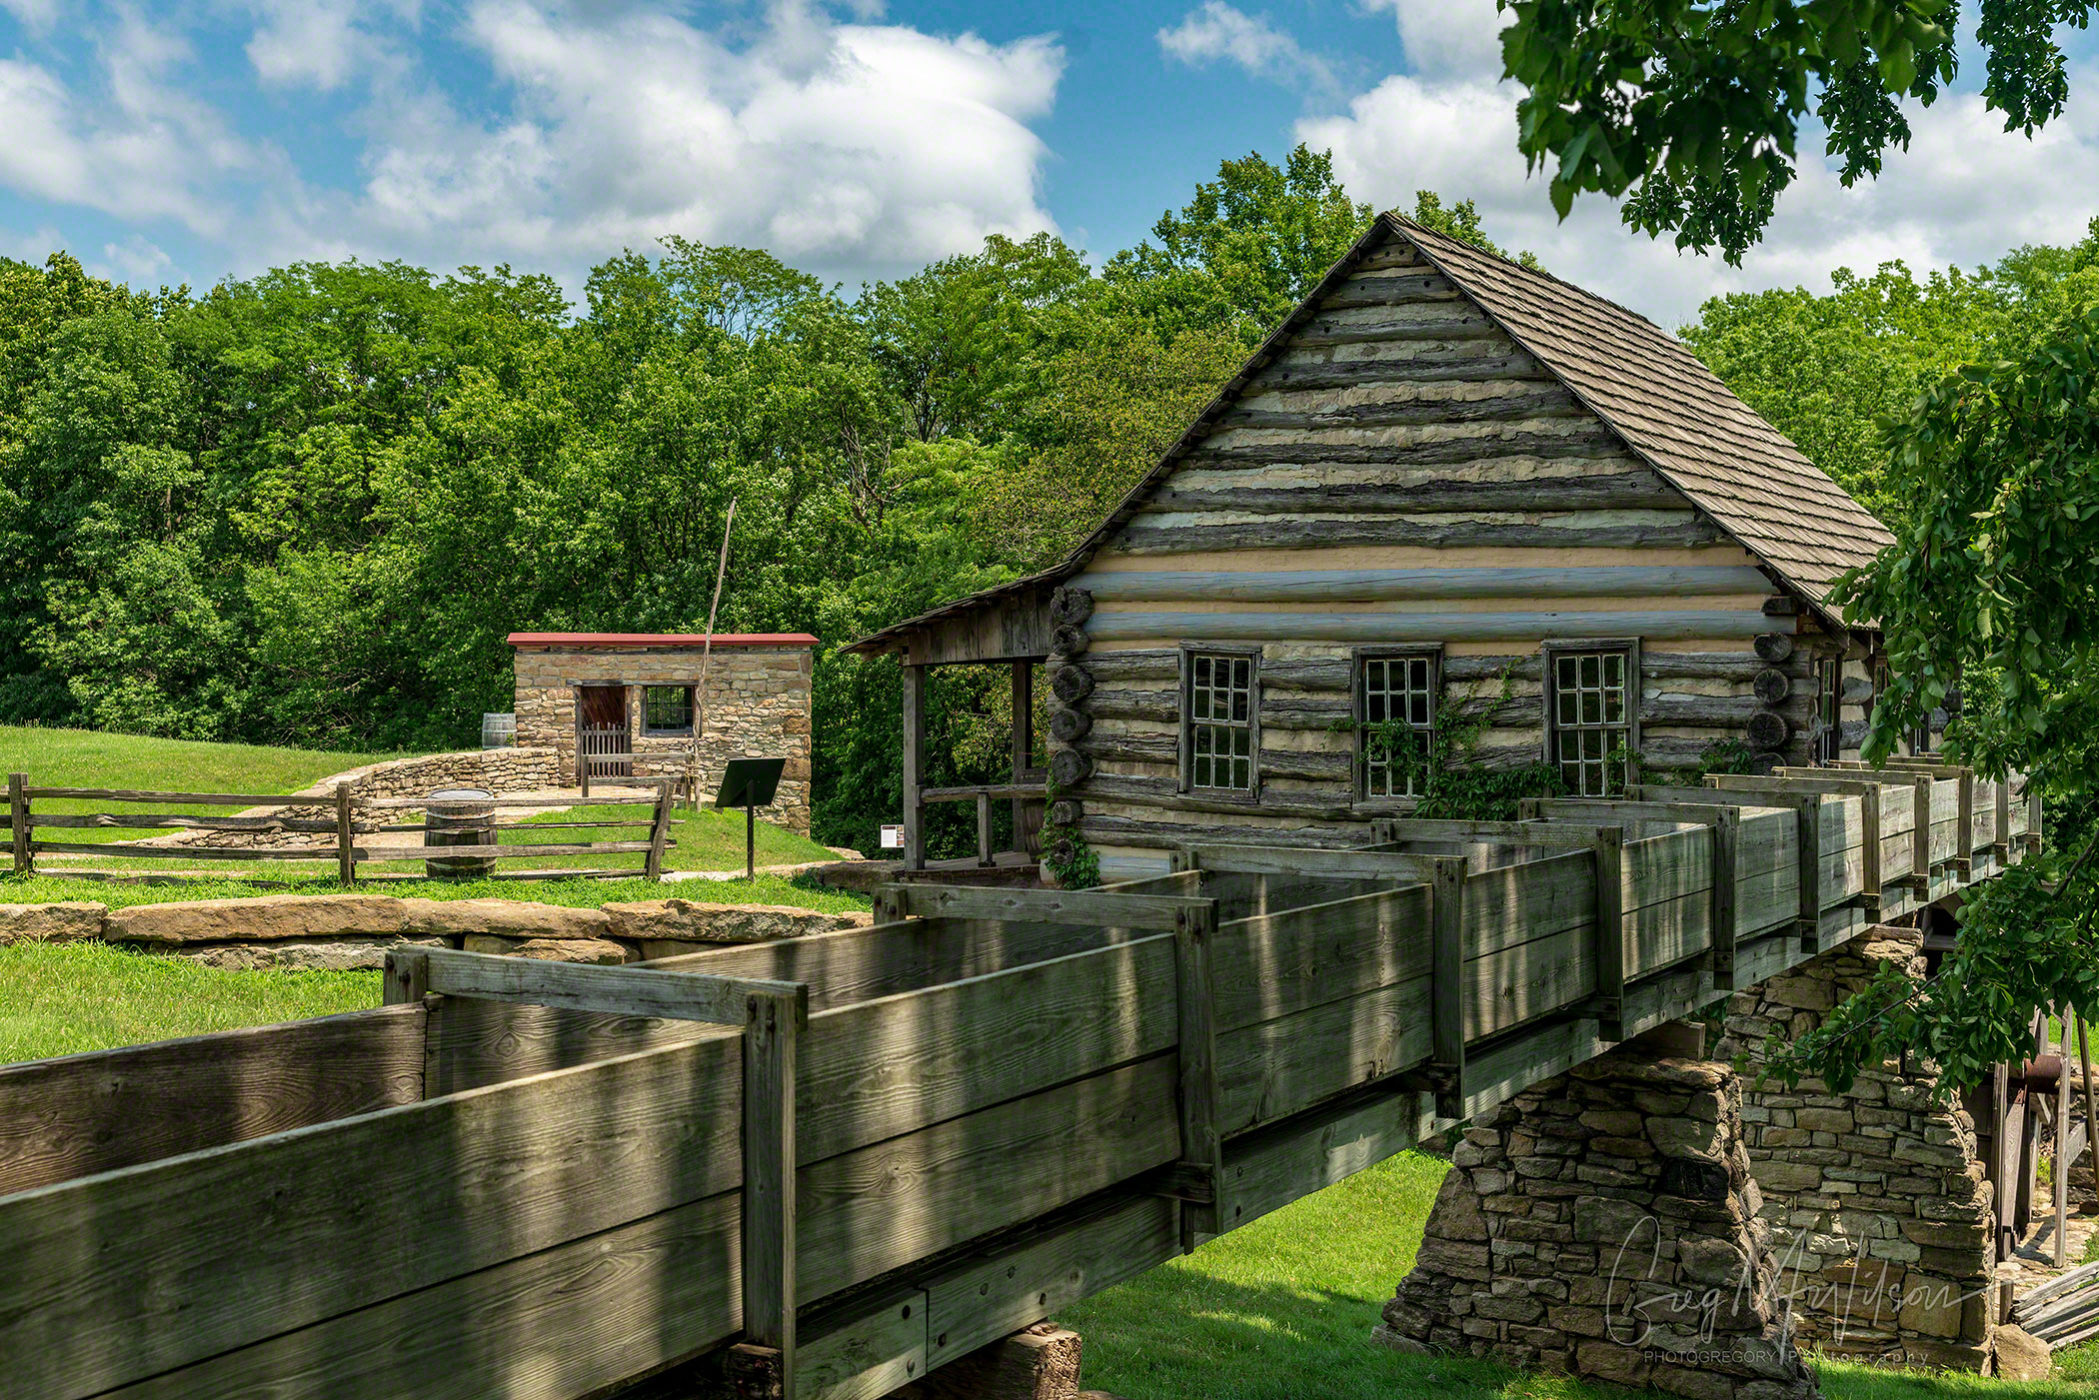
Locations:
(1691, 112)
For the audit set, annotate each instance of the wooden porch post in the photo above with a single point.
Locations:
(914, 766)
(1023, 742)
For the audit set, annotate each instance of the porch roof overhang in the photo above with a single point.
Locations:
(1008, 623)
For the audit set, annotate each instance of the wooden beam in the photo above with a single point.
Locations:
(1093, 907)
(1447, 981)
(773, 1021)
(914, 767)
(1202, 1145)
(1398, 585)
(1398, 627)
(1608, 847)
(1284, 532)
(616, 991)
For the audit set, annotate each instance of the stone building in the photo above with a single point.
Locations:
(639, 692)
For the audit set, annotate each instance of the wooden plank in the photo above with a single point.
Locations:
(1504, 989)
(1608, 849)
(153, 821)
(1357, 625)
(471, 1180)
(1659, 936)
(970, 794)
(617, 991)
(1276, 1068)
(65, 1118)
(1043, 906)
(883, 1068)
(137, 851)
(181, 799)
(1271, 965)
(659, 833)
(620, 1303)
(1276, 1166)
(1392, 585)
(1339, 864)
(771, 1035)
(881, 1348)
(1510, 905)
(881, 1207)
(1449, 978)
(1638, 489)
(1202, 1142)
(504, 850)
(1538, 834)
(1724, 926)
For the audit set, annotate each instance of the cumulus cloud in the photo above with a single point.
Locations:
(1449, 38)
(36, 16)
(1965, 192)
(1219, 32)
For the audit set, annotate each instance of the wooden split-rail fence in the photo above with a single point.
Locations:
(460, 837)
(841, 1161)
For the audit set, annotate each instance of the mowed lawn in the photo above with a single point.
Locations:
(707, 840)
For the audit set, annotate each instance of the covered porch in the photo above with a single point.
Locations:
(1008, 627)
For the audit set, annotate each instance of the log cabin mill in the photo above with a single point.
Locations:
(1448, 488)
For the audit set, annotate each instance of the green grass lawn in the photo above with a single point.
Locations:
(1282, 1309)
(65, 998)
(708, 840)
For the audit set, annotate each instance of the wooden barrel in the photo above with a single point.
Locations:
(463, 819)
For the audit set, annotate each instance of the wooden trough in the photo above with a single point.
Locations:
(857, 1156)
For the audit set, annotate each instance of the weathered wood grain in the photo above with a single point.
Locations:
(1287, 533)
(72, 1117)
(1384, 585)
(647, 991)
(1275, 1068)
(1277, 963)
(1395, 627)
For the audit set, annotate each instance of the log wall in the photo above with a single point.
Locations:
(1401, 473)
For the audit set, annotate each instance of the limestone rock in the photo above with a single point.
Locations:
(265, 919)
(2020, 1356)
(325, 955)
(503, 918)
(576, 950)
(1383, 1335)
(693, 921)
(66, 922)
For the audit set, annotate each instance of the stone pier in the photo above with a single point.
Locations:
(1880, 1215)
(1606, 1223)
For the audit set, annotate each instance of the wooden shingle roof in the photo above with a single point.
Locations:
(1674, 412)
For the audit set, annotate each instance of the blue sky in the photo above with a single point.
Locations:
(211, 138)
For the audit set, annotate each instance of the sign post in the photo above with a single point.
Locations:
(749, 783)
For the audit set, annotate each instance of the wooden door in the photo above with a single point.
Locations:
(605, 744)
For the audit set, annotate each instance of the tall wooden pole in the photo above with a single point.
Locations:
(699, 691)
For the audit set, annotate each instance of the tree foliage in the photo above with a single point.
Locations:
(1690, 112)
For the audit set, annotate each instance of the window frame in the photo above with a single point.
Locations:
(649, 731)
(1551, 652)
(1359, 704)
(1251, 793)
(1829, 709)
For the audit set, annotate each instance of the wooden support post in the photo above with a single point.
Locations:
(18, 820)
(1202, 1146)
(1994, 1169)
(914, 767)
(1920, 838)
(2033, 816)
(1727, 833)
(890, 905)
(984, 829)
(1964, 854)
(2091, 1096)
(771, 1035)
(1023, 743)
(1447, 984)
(2060, 1187)
(2002, 847)
(1809, 812)
(1869, 818)
(1608, 844)
(659, 830)
(345, 838)
(1041, 1363)
(407, 977)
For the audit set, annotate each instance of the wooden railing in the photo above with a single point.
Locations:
(863, 1154)
(356, 830)
(984, 795)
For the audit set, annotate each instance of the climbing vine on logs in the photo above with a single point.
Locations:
(1444, 771)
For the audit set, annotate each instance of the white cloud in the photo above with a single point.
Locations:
(856, 148)
(1965, 192)
(1449, 38)
(136, 147)
(36, 16)
(1218, 31)
(137, 261)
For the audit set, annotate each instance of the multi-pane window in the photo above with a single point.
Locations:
(1399, 722)
(1220, 722)
(1591, 720)
(666, 709)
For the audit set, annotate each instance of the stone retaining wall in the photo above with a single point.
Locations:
(1879, 1212)
(1605, 1223)
(356, 930)
(497, 771)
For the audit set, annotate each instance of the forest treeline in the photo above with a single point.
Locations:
(307, 507)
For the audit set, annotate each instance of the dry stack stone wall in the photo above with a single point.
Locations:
(1879, 1211)
(757, 704)
(1606, 1223)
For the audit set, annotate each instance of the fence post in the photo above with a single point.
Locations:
(984, 828)
(1727, 831)
(1608, 843)
(1808, 813)
(1964, 856)
(1447, 984)
(1202, 1147)
(18, 822)
(345, 838)
(659, 833)
(771, 1034)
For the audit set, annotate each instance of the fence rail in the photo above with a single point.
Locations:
(865, 1153)
(351, 821)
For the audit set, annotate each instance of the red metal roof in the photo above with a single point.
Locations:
(659, 639)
